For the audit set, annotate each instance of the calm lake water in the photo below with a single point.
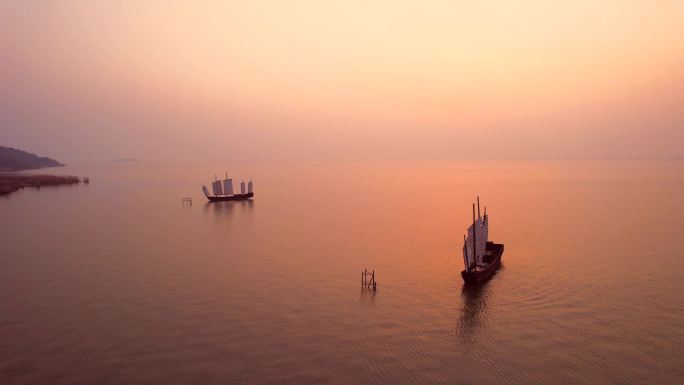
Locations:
(117, 282)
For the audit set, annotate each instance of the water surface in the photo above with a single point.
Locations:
(118, 282)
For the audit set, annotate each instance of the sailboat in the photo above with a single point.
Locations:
(481, 257)
(223, 190)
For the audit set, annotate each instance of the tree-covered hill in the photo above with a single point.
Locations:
(12, 159)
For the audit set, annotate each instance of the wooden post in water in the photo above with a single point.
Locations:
(368, 284)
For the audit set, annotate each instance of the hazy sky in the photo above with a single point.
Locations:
(348, 79)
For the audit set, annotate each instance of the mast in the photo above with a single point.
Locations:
(465, 253)
(478, 207)
(474, 239)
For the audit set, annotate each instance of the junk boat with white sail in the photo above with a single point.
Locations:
(480, 256)
(223, 190)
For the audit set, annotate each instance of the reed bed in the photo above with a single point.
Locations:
(10, 183)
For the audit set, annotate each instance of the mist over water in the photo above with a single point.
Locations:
(118, 282)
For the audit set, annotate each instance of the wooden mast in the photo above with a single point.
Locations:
(465, 250)
(474, 240)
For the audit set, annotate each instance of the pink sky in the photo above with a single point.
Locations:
(343, 79)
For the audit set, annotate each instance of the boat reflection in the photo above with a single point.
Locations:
(225, 214)
(474, 312)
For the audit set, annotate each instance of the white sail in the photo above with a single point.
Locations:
(216, 187)
(242, 187)
(477, 232)
(250, 187)
(228, 186)
(205, 190)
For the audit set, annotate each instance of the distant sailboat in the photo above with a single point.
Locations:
(223, 190)
(480, 257)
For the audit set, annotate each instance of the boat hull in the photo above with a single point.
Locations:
(236, 197)
(474, 277)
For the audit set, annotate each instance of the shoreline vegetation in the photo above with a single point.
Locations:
(10, 183)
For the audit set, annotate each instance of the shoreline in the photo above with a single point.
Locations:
(10, 183)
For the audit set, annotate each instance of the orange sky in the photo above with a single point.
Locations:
(343, 79)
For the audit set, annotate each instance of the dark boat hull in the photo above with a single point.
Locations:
(496, 251)
(236, 197)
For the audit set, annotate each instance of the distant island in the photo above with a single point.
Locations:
(12, 159)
